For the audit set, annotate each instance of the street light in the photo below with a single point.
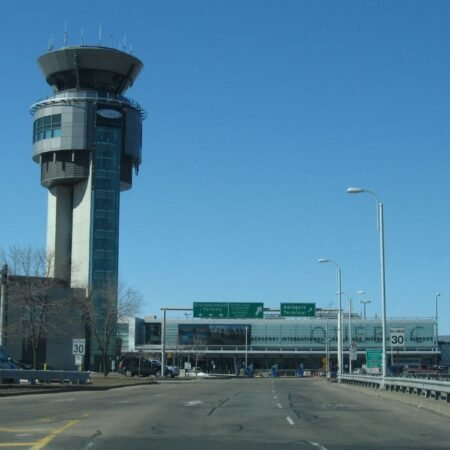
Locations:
(438, 294)
(246, 346)
(339, 330)
(350, 328)
(3, 283)
(357, 190)
(365, 302)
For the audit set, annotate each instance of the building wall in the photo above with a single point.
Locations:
(62, 324)
(130, 331)
(445, 354)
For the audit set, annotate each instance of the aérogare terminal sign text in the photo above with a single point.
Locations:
(297, 309)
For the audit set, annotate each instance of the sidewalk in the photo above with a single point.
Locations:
(98, 382)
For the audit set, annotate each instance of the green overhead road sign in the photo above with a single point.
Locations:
(374, 358)
(212, 310)
(246, 310)
(297, 309)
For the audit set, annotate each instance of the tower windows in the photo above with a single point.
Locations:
(47, 127)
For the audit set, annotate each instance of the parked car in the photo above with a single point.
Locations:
(396, 370)
(132, 366)
(6, 362)
(172, 371)
(167, 371)
(23, 364)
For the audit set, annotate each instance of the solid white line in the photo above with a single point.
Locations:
(290, 421)
(316, 444)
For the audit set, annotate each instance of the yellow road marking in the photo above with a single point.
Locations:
(47, 439)
(21, 430)
(22, 444)
(38, 445)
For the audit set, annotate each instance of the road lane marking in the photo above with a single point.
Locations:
(23, 432)
(20, 430)
(275, 396)
(47, 439)
(316, 444)
(193, 403)
(13, 444)
(279, 405)
(290, 421)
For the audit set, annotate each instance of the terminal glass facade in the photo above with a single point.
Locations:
(286, 342)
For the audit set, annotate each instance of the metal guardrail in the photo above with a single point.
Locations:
(439, 390)
(15, 376)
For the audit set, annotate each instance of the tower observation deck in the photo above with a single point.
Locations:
(87, 138)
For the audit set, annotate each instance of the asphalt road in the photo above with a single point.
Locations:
(264, 413)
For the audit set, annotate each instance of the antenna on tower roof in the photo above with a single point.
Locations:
(66, 34)
(50, 43)
(100, 35)
(124, 42)
(82, 36)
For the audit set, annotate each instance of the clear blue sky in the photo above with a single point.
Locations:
(261, 114)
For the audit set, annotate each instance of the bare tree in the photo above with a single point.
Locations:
(129, 301)
(33, 308)
(103, 307)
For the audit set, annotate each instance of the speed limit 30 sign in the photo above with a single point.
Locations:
(78, 346)
(397, 337)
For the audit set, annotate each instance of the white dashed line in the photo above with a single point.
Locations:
(290, 421)
(193, 403)
(279, 405)
(316, 444)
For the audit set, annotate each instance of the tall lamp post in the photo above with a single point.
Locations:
(3, 282)
(365, 302)
(357, 190)
(339, 330)
(438, 294)
(350, 328)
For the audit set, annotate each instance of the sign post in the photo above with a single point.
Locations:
(353, 351)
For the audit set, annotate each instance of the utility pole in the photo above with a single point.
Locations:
(4, 281)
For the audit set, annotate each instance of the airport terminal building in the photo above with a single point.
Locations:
(227, 344)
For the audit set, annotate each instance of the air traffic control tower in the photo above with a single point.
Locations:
(87, 138)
